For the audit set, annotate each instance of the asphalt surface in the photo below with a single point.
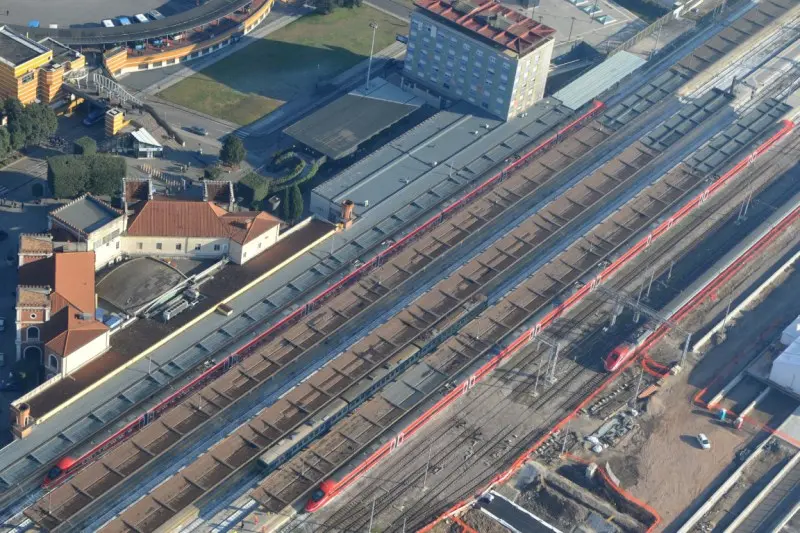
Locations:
(513, 515)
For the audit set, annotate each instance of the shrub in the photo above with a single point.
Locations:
(85, 146)
(253, 188)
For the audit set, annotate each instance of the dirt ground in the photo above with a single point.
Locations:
(482, 523)
(662, 463)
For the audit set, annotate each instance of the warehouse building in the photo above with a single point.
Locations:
(478, 51)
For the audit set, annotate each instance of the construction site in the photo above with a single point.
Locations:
(526, 358)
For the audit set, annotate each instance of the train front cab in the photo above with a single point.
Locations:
(321, 495)
(618, 356)
(58, 470)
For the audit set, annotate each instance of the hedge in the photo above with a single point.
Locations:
(73, 175)
(253, 188)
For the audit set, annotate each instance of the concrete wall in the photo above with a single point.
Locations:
(242, 254)
(78, 358)
(134, 246)
(105, 244)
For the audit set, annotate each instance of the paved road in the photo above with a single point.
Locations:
(513, 516)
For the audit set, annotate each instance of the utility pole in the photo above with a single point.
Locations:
(638, 385)
(372, 514)
(686, 348)
(371, 51)
(569, 38)
(427, 465)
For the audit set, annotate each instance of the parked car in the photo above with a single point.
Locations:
(703, 441)
(197, 130)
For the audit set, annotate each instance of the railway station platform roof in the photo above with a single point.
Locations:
(340, 127)
(461, 141)
(599, 79)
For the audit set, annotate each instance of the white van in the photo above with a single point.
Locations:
(108, 23)
(141, 18)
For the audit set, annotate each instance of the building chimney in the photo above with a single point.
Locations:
(347, 210)
(22, 427)
(249, 223)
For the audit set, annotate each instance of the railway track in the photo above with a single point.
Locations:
(580, 200)
(582, 369)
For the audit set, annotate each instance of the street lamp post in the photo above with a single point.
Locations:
(374, 27)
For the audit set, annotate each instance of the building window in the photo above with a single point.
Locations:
(158, 246)
(53, 362)
(33, 333)
(259, 246)
(33, 316)
(216, 247)
(196, 247)
(244, 255)
(178, 247)
(138, 246)
(117, 245)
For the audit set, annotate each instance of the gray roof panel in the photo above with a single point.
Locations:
(599, 79)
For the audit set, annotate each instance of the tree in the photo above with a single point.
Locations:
(85, 146)
(296, 197)
(286, 211)
(232, 152)
(29, 124)
(212, 173)
(5, 144)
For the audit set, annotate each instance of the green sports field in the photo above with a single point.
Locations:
(285, 64)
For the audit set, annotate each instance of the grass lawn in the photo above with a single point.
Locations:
(285, 64)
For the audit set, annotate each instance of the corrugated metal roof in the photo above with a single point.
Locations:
(599, 79)
(143, 136)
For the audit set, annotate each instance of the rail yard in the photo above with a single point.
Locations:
(477, 343)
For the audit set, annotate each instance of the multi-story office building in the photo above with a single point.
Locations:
(478, 51)
(31, 71)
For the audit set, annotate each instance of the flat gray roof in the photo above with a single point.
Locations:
(15, 49)
(86, 214)
(461, 140)
(337, 129)
(599, 79)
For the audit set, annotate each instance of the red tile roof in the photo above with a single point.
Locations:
(246, 226)
(66, 332)
(492, 21)
(70, 275)
(177, 218)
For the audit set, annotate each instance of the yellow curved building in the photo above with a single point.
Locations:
(34, 71)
